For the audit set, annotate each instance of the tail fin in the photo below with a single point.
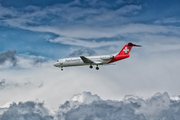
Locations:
(124, 53)
(127, 48)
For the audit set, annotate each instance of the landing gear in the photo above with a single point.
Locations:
(61, 68)
(97, 68)
(91, 66)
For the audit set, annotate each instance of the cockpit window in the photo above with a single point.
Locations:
(57, 60)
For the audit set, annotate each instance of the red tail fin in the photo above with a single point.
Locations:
(126, 49)
(124, 53)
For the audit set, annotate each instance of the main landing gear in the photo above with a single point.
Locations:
(97, 68)
(91, 66)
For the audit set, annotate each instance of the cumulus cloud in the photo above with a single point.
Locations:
(158, 107)
(8, 56)
(27, 111)
(86, 106)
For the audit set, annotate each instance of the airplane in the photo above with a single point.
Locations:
(95, 60)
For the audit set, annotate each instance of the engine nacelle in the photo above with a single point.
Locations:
(107, 57)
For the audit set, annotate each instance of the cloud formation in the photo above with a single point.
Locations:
(74, 21)
(2, 84)
(86, 106)
(74, 12)
(27, 111)
(84, 51)
(95, 23)
(38, 61)
(167, 21)
(14, 85)
(5, 85)
(29, 61)
(8, 56)
(90, 23)
(158, 107)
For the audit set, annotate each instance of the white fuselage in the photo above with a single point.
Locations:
(77, 61)
(96, 60)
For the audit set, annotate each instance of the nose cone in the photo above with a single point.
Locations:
(56, 64)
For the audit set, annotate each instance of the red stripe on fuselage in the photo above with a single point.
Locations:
(119, 57)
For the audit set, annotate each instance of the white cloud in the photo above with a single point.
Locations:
(152, 68)
(20, 61)
(63, 14)
(129, 9)
(92, 107)
(131, 32)
(85, 98)
(77, 42)
(132, 107)
(167, 21)
(78, 36)
(72, 12)
(87, 27)
(7, 12)
(27, 110)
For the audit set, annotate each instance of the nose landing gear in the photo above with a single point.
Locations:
(61, 68)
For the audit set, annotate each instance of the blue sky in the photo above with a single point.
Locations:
(26, 23)
(34, 34)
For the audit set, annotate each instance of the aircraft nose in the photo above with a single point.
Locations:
(56, 64)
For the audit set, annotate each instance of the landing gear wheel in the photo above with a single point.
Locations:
(61, 69)
(97, 68)
(91, 66)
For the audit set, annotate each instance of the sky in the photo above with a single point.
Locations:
(34, 34)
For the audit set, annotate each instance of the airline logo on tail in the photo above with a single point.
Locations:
(126, 50)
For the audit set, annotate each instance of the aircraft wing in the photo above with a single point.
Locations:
(86, 60)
